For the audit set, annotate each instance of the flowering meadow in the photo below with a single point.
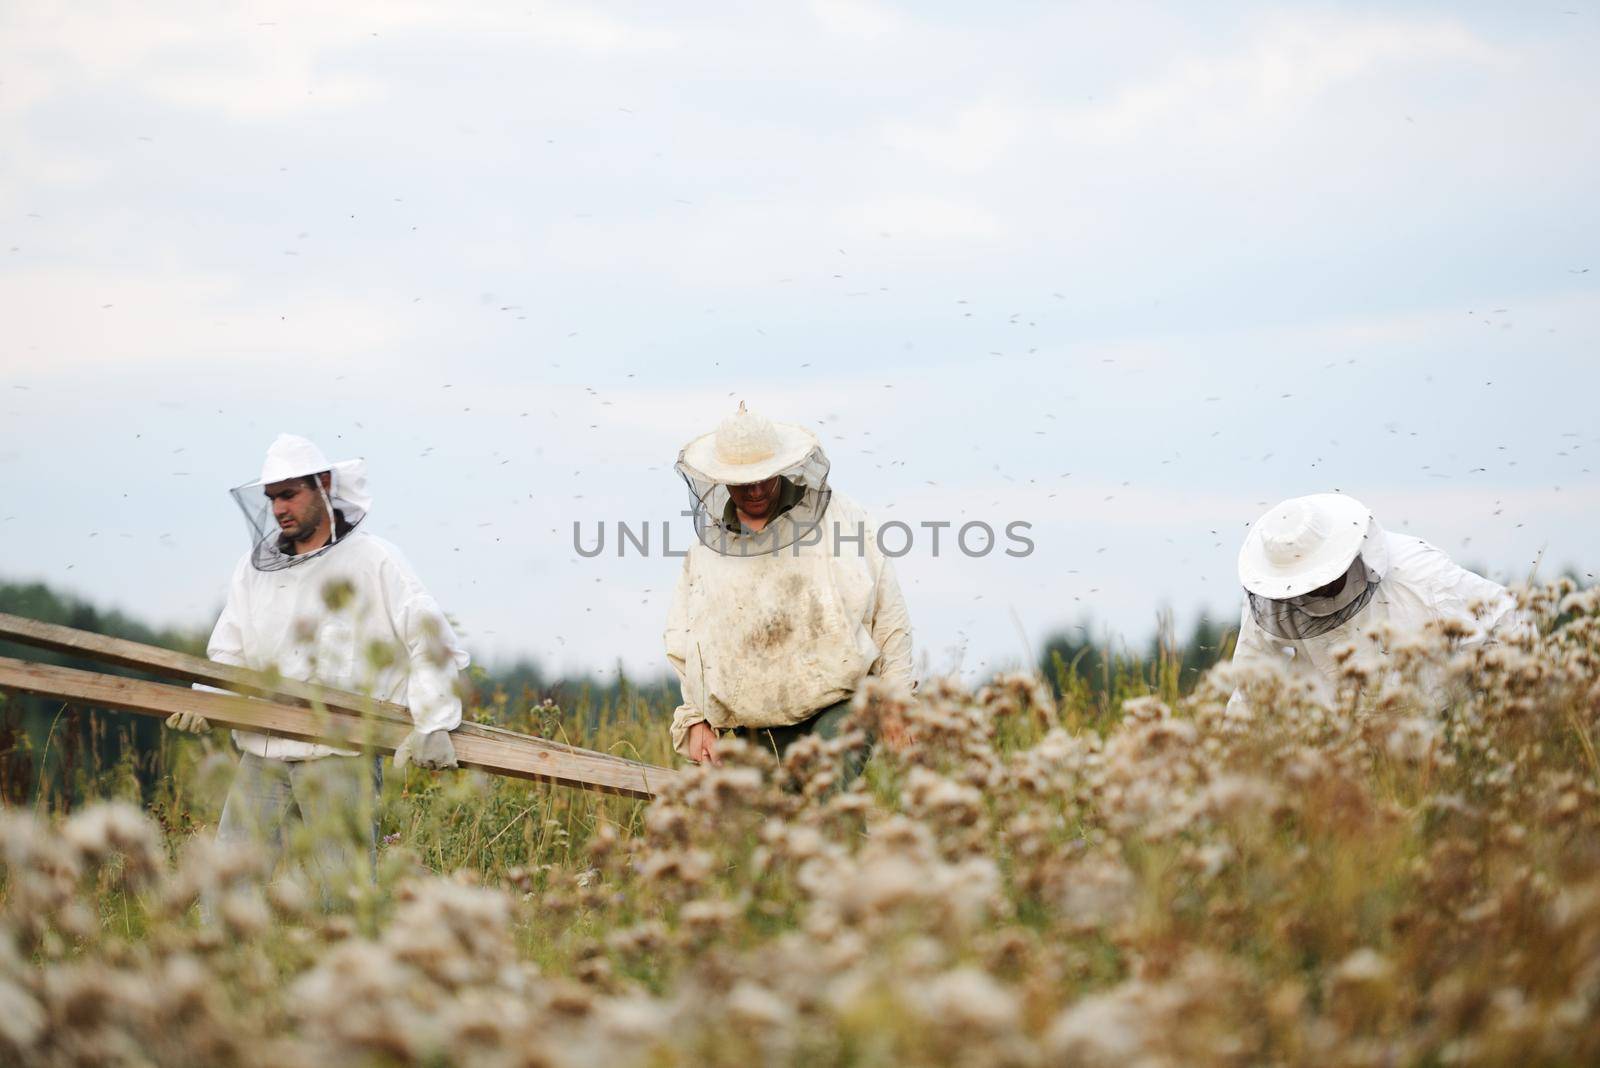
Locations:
(1406, 871)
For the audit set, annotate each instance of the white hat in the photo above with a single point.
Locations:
(1304, 543)
(747, 448)
(292, 456)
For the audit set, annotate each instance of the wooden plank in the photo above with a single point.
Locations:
(181, 667)
(609, 771)
(500, 752)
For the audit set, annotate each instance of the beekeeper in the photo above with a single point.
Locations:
(1319, 570)
(319, 598)
(785, 602)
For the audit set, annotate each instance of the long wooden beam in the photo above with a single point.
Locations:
(608, 770)
(502, 753)
(181, 667)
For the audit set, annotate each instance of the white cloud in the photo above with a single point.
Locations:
(259, 82)
(921, 217)
(275, 61)
(973, 139)
(1245, 93)
(857, 19)
(66, 321)
(1282, 68)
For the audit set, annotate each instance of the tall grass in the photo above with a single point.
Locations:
(1404, 872)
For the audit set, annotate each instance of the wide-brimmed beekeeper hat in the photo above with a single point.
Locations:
(291, 456)
(746, 448)
(1305, 543)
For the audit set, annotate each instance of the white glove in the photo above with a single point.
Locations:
(430, 750)
(193, 722)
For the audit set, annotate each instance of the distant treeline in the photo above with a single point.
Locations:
(1100, 672)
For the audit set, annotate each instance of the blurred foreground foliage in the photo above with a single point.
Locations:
(1403, 871)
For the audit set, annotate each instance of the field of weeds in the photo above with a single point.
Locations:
(1409, 877)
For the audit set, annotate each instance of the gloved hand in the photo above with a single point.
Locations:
(426, 750)
(193, 722)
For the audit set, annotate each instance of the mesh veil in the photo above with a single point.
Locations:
(1310, 616)
(269, 550)
(803, 498)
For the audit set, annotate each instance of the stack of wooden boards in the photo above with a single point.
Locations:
(270, 705)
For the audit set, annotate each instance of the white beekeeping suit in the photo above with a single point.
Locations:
(767, 628)
(351, 615)
(1318, 571)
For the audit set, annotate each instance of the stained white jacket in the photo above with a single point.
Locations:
(354, 618)
(765, 641)
(1421, 584)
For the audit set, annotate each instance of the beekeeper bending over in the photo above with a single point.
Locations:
(1319, 570)
(318, 598)
(785, 603)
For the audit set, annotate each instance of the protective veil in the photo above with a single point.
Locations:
(352, 615)
(290, 457)
(1394, 580)
(802, 499)
(768, 640)
(748, 448)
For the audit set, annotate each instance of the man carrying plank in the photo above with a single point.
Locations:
(318, 598)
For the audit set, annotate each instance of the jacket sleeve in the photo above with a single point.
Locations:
(677, 639)
(226, 645)
(1488, 607)
(1252, 647)
(890, 625)
(435, 655)
(227, 637)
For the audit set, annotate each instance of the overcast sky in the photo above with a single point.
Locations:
(1128, 273)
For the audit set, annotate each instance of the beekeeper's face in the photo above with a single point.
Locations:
(297, 506)
(756, 499)
(1331, 589)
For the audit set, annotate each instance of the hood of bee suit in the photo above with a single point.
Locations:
(291, 456)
